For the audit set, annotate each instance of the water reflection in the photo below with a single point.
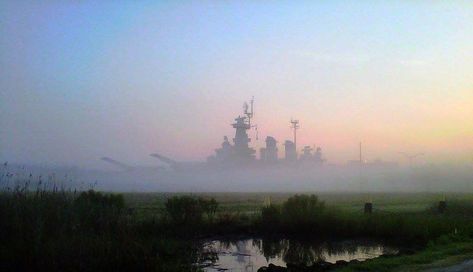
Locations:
(251, 254)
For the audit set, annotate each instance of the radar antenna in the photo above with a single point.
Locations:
(249, 114)
(295, 126)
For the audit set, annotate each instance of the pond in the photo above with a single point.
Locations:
(251, 254)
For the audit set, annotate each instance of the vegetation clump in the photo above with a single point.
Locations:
(299, 213)
(62, 230)
(303, 210)
(189, 210)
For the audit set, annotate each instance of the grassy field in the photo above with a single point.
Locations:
(444, 252)
(152, 204)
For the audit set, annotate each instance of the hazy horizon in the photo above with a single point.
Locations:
(85, 80)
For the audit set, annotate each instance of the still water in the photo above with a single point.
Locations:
(251, 254)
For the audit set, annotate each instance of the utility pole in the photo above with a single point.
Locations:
(361, 157)
(368, 207)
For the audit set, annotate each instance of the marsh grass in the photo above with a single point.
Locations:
(44, 227)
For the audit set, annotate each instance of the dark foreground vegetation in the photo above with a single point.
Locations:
(305, 214)
(61, 230)
(51, 229)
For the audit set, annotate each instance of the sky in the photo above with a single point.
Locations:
(80, 80)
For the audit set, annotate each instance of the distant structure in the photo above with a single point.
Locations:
(225, 152)
(249, 114)
(270, 152)
(380, 163)
(306, 153)
(240, 153)
(360, 161)
(295, 127)
(411, 157)
(118, 164)
(361, 156)
(312, 157)
(318, 155)
(376, 163)
(290, 151)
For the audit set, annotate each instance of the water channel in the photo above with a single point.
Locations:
(251, 254)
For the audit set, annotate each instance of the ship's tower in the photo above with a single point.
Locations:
(242, 151)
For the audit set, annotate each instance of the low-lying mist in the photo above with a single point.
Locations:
(428, 178)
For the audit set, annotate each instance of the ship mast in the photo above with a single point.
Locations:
(242, 151)
(295, 127)
(249, 114)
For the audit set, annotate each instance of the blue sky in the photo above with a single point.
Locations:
(80, 80)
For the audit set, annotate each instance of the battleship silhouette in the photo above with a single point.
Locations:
(240, 154)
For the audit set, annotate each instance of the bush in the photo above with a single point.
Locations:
(189, 210)
(209, 207)
(98, 212)
(184, 210)
(271, 215)
(300, 213)
(302, 209)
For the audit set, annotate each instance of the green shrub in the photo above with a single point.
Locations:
(189, 210)
(302, 209)
(209, 207)
(228, 218)
(300, 213)
(271, 215)
(184, 210)
(97, 212)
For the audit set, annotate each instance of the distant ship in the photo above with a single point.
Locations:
(239, 154)
(235, 167)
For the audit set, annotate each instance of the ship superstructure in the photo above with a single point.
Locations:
(241, 153)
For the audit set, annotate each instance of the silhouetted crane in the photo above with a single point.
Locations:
(117, 163)
(164, 159)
